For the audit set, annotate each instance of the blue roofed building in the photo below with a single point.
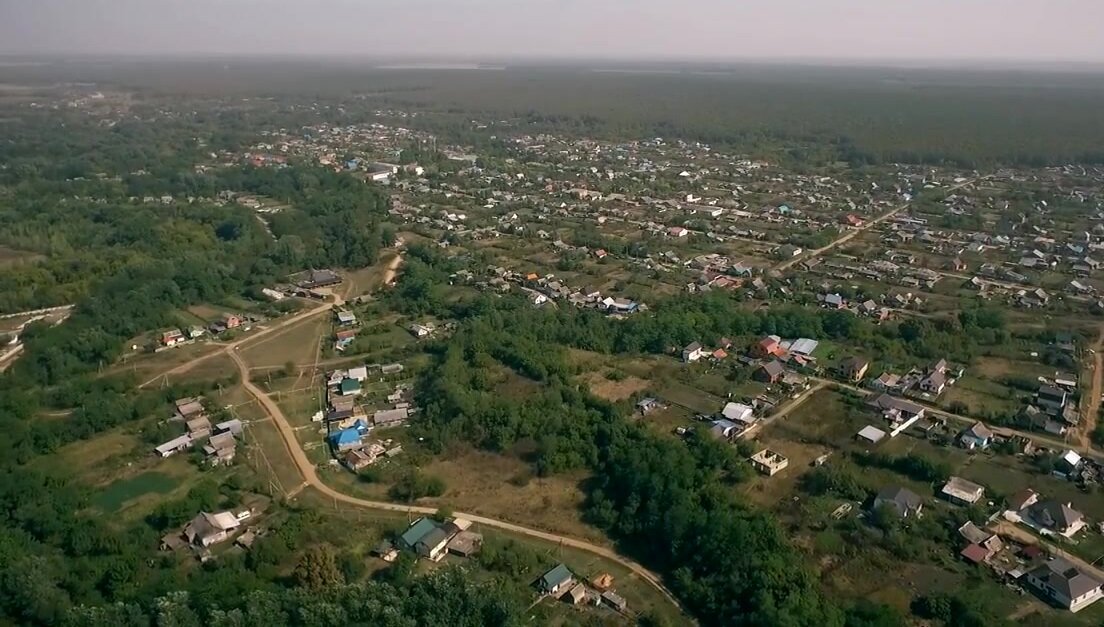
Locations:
(346, 439)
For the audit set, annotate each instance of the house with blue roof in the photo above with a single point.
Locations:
(346, 439)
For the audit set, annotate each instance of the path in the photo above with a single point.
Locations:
(785, 411)
(310, 474)
(851, 234)
(1091, 410)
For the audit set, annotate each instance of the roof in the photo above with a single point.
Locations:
(556, 576)
(979, 431)
(1055, 514)
(975, 553)
(887, 402)
(390, 416)
(804, 346)
(233, 426)
(973, 533)
(1021, 499)
(773, 368)
(962, 489)
(1063, 576)
(345, 437)
(738, 412)
(693, 346)
(174, 444)
(902, 499)
(872, 433)
(349, 385)
(417, 531)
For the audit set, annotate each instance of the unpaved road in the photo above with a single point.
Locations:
(310, 476)
(848, 236)
(1092, 404)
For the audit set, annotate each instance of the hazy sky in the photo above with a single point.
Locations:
(1042, 30)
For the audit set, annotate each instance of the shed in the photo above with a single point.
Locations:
(871, 434)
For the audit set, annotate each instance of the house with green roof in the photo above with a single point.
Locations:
(417, 531)
(350, 386)
(556, 580)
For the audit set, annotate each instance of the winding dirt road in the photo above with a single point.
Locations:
(311, 478)
(1091, 409)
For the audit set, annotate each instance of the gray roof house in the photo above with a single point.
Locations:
(1065, 584)
(904, 501)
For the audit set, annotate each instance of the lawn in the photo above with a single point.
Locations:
(121, 491)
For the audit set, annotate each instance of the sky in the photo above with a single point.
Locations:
(984, 30)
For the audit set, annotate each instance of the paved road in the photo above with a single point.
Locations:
(310, 475)
(851, 234)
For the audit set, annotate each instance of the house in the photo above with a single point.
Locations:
(175, 445)
(886, 382)
(719, 354)
(1065, 584)
(556, 580)
(426, 538)
(188, 408)
(576, 594)
(770, 372)
(768, 462)
(172, 337)
(803, 346)
(770, 346)
(207, 529)
(1057, 517)
(358, 459)
(738, 412)
(724, 429)
(614, 600)
(199, 427)
(692, 352)
(349, 387)
(900, 413)
(1050, 398)
(320, 278)
(901, 500)
(465, 544)
(1022, 500)
(231, 321)
(976, 437)
(420, 331)
(677, 231)
(788, 251)
(346, 440)
(220, 448)
(647, 405)
(870, 434)
(934, 383)
(975, 553)
(390, 417)
(346, 318)
(853, 369)
(961, 491)
(834, 301)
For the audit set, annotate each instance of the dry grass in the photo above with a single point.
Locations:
(297, 343)
(612, 390)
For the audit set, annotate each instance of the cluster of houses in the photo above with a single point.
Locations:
(345, 329)
(544, 289)
(432, 540)
(219, 441)
(1052, 408)
(178, 337)
(559, 582)
(348, 422)
(925, 383)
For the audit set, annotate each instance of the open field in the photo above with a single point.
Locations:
(119, 492)
(145, 365)
(297, 344)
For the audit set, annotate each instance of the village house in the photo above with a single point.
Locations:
(901, 500)
(724, 429)
(854, 369)
(977, 436)
(427, 539)
(207, 529)
(556, 580)
(900, 413)
(886, 382)
(692, 352)
(770, 372)
(961, 491)
(1055, 517)
(172, 337)
(1064, 584)
(770, 346)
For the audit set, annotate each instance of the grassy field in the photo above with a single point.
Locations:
(144, 366)
(298, 344)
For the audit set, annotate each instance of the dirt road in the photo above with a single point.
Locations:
(310, 476)
(785, 411)
(1010, 530)
(846, 237)
(1091, 408)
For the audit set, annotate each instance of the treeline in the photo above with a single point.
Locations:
(666, 501)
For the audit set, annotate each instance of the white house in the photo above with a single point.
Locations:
(1065, 584)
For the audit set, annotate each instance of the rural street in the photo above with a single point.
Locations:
(848, 236)
(310, 474)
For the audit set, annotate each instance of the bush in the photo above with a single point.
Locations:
(414, 485)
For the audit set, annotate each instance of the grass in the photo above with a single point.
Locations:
(269, 457)
(147, 365)
(615, 390)
(297, 343)
(119, 492)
